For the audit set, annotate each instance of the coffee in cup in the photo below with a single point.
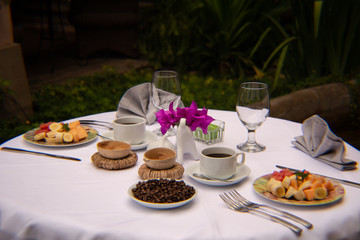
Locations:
(129, 129)
(220, 162)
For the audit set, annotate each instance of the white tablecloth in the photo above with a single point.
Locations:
(48, 198)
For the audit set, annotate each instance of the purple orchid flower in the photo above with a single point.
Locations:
(163, 120)
(198, 118)
(194, 118)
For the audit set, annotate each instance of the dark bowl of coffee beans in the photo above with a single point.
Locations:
(162, 193)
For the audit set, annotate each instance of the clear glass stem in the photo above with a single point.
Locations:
(169, 133)
(251, 137)
(251, 145)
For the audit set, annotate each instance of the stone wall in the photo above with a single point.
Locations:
(330, 101)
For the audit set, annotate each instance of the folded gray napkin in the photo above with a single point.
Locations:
(136, 101)
(322, 144)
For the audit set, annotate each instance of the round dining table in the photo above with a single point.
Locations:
(49, 198)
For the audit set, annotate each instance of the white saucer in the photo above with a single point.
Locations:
(149, 137)
(241, 173)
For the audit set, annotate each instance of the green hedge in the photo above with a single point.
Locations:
(102, 91)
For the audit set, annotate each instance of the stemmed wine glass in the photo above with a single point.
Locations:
(252, 108)
(165, 88)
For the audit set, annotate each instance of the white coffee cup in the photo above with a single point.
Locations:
(129, 129)
(220, 162)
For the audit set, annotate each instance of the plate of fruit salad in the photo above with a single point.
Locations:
(298, 188)
(56, 134)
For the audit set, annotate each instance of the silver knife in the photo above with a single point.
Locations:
(346, 182)
(38, 153)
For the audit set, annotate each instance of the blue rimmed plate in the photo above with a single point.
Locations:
(29, 137)
(333, 196)
(160, 205)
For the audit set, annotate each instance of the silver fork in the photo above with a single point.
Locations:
(241, 208)
(97, 123)
(250, 204)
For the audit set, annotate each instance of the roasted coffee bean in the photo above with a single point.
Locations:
(163, 191)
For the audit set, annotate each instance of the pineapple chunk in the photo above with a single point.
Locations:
(305, 185)
(299, 195)
(290, 192)
(286, 182)
(294, 183)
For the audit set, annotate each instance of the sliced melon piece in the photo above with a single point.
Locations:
(294, 183)
(82, 134)
(329, 185)
(74, 124)
(309, 194)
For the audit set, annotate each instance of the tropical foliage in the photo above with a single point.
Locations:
(211, 36)
(327, 39)
(286, 40)
(216, 45)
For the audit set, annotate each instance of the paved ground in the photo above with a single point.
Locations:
(56, 61)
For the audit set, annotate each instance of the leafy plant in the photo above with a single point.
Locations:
(235, 36)
(223, 31)
(326, 34)
(226, 37)
(166, 33)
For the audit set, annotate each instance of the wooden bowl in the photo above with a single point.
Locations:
(160, 158)
(113, 149)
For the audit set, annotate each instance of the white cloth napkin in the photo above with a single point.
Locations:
(136, 101)
(322, 144)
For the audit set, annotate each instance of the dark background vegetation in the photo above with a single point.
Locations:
(216, 45)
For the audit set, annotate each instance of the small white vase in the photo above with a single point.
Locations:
(162, 142)
(185, 142)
